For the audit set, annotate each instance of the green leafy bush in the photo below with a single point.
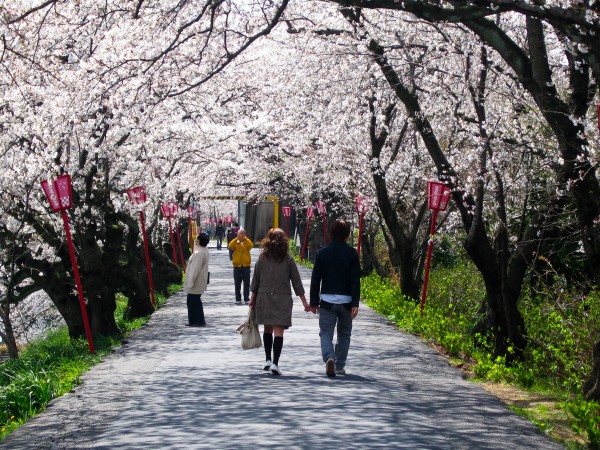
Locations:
(450, 311)
(587, 418)
(561, 329)
(562, 326)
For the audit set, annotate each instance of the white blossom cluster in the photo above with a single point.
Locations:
(181, 97)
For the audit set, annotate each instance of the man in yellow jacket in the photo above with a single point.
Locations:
(241, 246)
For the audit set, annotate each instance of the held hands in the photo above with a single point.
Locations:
(307, 307)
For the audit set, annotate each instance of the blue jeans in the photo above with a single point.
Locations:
(219, 242)
(341, 316)
(241, 274)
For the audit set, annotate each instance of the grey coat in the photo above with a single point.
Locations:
(271, 284)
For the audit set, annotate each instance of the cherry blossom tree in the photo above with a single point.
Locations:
(568, 32)
(494, 97)
(84, 87)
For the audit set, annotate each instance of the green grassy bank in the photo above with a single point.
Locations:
(52, 365)
(561, 328)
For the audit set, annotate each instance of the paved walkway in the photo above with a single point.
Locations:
(174, 387)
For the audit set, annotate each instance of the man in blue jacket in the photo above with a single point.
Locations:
(334, 295)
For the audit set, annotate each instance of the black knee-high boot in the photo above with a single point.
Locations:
(268, 343)
(277, 346)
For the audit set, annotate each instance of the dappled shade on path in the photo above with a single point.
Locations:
(174, 387)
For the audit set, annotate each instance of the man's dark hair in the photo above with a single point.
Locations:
(203, 239)
(339, 230)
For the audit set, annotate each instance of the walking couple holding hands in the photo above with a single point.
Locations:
(334, 295)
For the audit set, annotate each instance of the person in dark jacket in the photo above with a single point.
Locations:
(334, 295)
(220, 234)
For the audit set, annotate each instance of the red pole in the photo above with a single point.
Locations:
(172, 242)
(360, 228)
(148, 268)
(179, 242)
(427, 264)
(84, 315)
(305, 238)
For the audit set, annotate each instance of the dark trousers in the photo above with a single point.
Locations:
(219, 242)
(195, 310)
(241, 274)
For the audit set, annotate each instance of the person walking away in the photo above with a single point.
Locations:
(335, 295)
(219, 234)
(241, 261)
(196, 280)
(231, 235)
(271, 294)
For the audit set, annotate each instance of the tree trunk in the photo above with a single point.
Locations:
(8, 337)
(408, 282)
(164, 271)
(369, 258)
(535, 75)
(99, 268)
(134, 274)
(591, 387)
(67, 305)
(402, 243)
(477, 243)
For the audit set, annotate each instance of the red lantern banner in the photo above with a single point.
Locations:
(137, 195)
(361, 204)
(192, 213)
(438, 195)
(166, 210)
(310, 212)
(58, 192)
(287, 212)
(322, 209)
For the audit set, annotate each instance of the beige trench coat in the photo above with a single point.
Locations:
(271, 284)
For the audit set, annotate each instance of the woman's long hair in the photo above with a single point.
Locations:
(275, 245)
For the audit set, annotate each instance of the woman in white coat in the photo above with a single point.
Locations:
(196, 279)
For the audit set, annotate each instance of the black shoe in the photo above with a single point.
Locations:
(238, 303)
(330, 368)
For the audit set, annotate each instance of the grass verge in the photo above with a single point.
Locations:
(52, 366)
(544, 387)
